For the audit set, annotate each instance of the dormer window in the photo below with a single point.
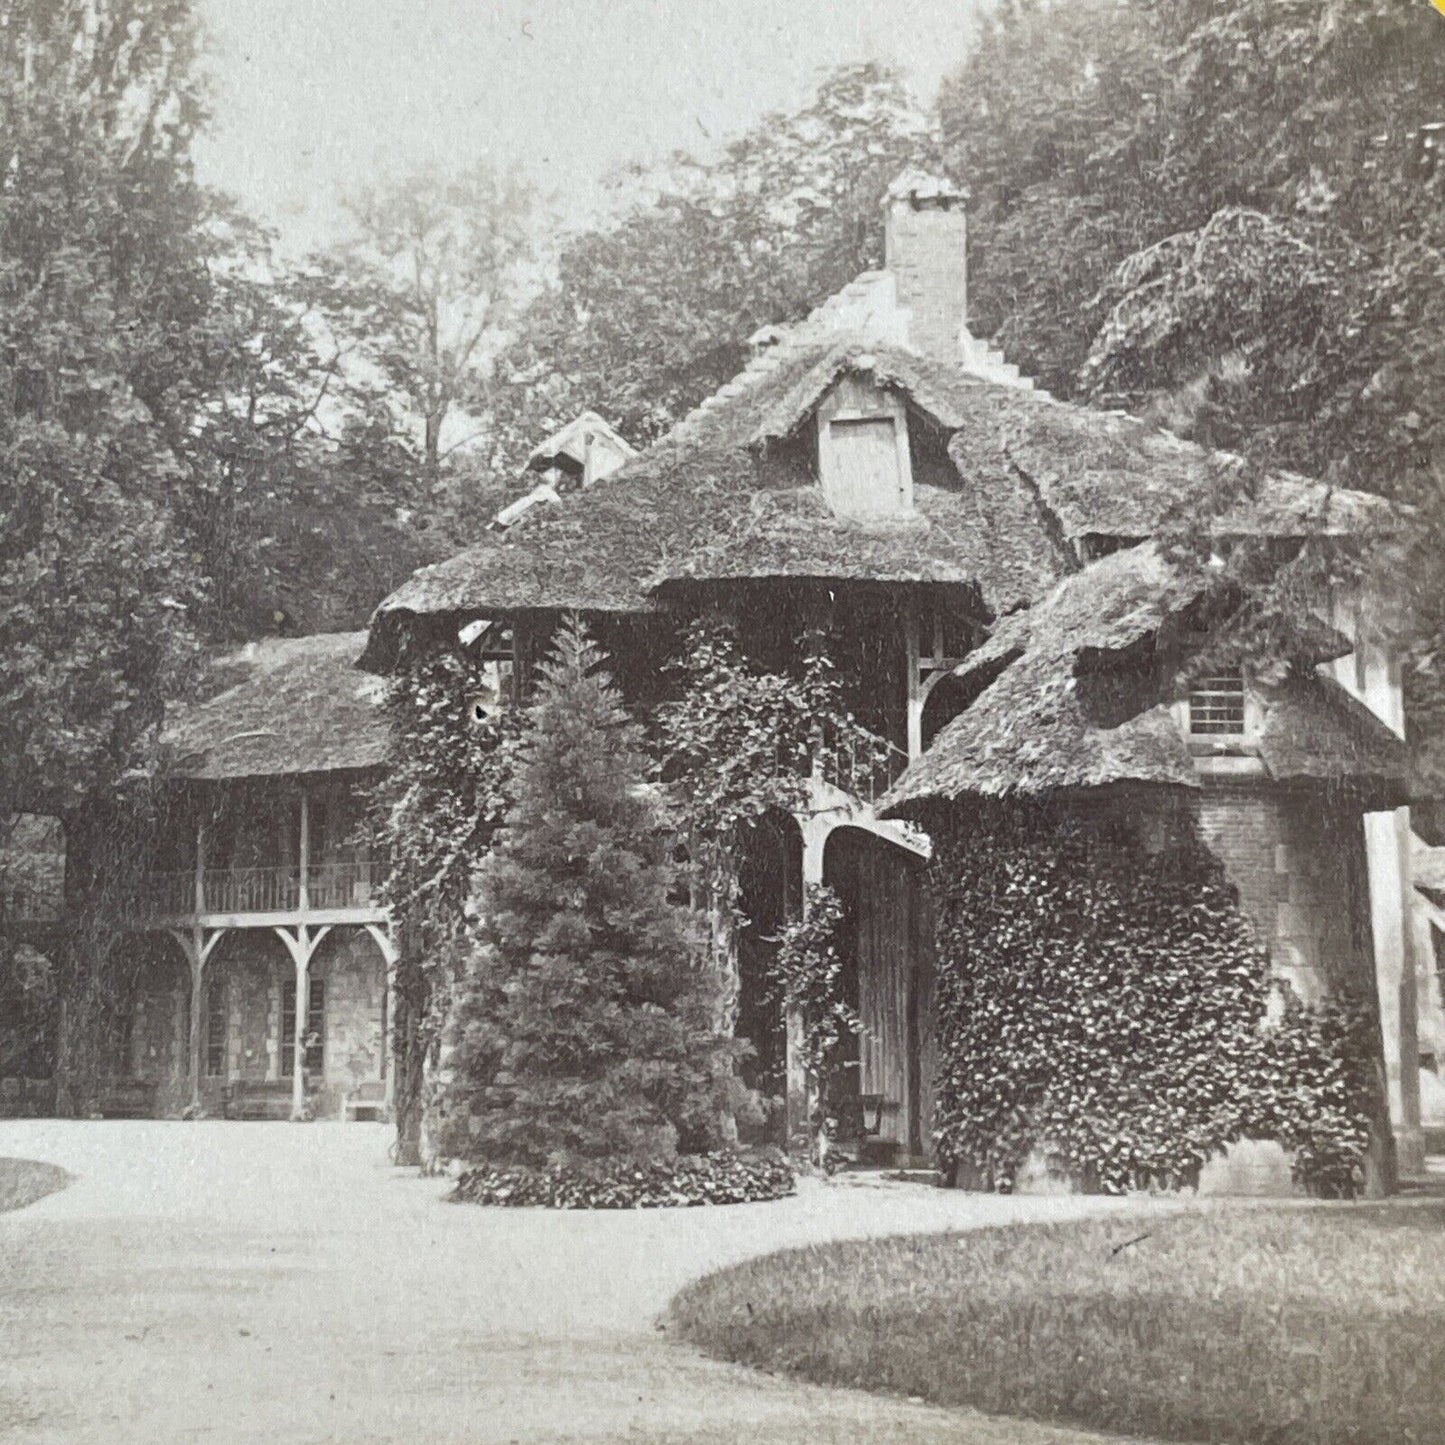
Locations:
(863, 461)
(1216, 706)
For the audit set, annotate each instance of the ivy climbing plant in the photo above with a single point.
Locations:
(1105, 1010)
(445, 798)
(808, 982)
(739, 743)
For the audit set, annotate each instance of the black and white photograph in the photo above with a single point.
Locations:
(722, 724)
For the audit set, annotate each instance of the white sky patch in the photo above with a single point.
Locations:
(312, 97)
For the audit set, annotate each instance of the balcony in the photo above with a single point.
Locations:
(330, 888)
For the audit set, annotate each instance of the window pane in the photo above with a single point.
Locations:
(215, 1031)
(1216, 706)
(315, 1039)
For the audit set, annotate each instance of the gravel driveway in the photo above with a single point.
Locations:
(284, 1284)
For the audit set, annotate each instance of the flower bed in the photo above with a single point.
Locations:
(698, 1179)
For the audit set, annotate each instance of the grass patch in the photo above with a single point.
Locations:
(23, 1181)
(1291, 1326)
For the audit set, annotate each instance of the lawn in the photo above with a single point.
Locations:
(23, 1181)
(1283, 1325)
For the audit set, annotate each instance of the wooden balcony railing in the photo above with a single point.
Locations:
(251, 890)
(859, 763)
(258, 890)
(855, 761)
(342, 885)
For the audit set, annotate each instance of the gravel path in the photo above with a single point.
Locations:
(283, 1284)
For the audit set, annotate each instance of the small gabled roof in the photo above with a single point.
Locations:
(1075, 696)
(286, 706)
(576, 439)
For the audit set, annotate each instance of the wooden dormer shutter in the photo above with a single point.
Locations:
(863, 461)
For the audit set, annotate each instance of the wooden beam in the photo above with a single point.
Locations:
(915, 693)
(304, 854)
(391, 954)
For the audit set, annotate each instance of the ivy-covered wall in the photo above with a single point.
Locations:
(1108, 1007)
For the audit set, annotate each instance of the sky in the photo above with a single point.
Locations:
(311, 97)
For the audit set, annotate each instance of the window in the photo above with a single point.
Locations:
(216, 1030)
(1216, 706)
(863, 450)
(315, 1040)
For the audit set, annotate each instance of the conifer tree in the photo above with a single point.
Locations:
(584, 1026)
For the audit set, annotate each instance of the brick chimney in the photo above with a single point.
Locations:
(925, 251)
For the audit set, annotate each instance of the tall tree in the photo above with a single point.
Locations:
(1241, 210)
(159, 404)
(650, 310)
(427, 285)
(102, 271)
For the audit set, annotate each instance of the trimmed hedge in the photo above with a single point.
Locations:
(695, 1179)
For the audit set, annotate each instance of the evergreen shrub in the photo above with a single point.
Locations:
(718, 1178)
(584, 1029)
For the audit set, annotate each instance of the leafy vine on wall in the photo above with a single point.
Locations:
(809, 984)
(1104, 1009)
(435, 817)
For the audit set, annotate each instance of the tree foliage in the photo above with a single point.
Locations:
(426, 284)
(650, 311)
(584, 1031)
(809, 984)
(1241, 209)
(740, 742)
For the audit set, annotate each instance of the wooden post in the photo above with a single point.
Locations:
(915, 689)
(386, 942)
(196, 957)
(197, 949)
(301, 946)
(1410, 1147)
(195, 1063)
(198, 880)
(304, 856)
(302, 959)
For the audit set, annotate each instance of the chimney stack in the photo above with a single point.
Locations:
(925, 251)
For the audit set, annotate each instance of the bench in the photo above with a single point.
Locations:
(257, 1099)
(366, 1101)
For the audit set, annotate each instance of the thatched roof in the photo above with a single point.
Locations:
(1314, 731)
(1104, 473)
(286, 705)
(1030, 733)
(1076, 693)
(1107, 607)
(723, 497)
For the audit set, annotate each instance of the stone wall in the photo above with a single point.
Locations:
(1300, 870)
(156, 1053)
(351, 963)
